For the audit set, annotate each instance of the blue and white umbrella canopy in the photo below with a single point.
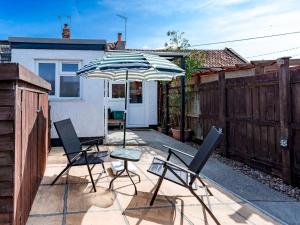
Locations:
(140, 66)
(126, 65)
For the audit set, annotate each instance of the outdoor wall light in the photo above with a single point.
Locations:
(284, 142)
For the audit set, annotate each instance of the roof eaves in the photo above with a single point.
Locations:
(230, 50)
(54, 40)
(162, 52)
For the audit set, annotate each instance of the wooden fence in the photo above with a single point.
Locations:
(260, 116)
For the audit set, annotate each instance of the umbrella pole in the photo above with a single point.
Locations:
(125, 112)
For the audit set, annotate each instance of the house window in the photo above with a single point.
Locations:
(69, 67)
(62, 77)
(47, 72)
(136, 92)
(69, 82)
(118, 90)
(69, 86)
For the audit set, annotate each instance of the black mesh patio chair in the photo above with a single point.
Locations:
(187, 174)
(77, 156)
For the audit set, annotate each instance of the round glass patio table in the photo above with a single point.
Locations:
(126, 155)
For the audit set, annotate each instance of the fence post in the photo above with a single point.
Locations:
(166, 110)
(222, 110)
(285, 112)
(182, 102)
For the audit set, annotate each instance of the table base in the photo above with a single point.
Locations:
(125, 170)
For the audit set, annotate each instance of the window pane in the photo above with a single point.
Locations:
(118, 90)
(136, 92)
(69, 86)
(47, 72)
(69, 67)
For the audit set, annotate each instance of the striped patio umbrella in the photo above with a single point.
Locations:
(135, 66)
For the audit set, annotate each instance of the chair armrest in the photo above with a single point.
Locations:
(172, 150)
(81, 151)
(168, 164)
(90, 141)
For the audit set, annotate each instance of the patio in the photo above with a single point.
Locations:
(72, 201)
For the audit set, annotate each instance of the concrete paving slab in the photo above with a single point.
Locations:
(74, 202)
(279, 206)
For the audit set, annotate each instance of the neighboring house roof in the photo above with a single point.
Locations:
(56, 43)
(213, 58)
(223, 58)
(266, 66)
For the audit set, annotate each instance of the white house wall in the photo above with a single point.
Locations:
(86, 113)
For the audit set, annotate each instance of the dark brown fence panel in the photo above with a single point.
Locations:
(295, 123)
(209, 107)
(256, 115)
(252, 120)
(23, 140)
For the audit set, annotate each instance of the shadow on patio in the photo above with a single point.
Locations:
(71, 200)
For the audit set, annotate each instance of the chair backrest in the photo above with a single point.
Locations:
(68, 137)
(211, 141)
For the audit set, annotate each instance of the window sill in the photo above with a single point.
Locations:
(117, 99)
(65, 99)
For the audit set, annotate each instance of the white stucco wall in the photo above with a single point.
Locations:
(228, 75)
(152, 102)
(86, 113)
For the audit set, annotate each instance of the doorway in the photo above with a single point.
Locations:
(136, 104)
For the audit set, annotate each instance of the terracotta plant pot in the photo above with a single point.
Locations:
(161, 129)
(176, 133)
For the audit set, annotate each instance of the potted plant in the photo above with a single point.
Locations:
(193, 62)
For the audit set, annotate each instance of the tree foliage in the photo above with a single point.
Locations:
(193, 62)
(176, 41)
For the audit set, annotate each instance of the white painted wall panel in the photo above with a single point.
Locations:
(86, 113)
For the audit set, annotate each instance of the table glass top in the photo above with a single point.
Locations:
(126, 154)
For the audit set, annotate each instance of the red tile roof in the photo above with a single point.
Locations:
(213, 58)
(222, 58)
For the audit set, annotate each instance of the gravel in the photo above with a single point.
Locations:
(267, 179)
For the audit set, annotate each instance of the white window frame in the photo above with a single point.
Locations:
(58, 74)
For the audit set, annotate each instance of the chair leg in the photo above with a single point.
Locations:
(201, 181)
(89, 169)
(93, 166)
(156, 190)
(158, 185)
(205, 206)
(61, 173)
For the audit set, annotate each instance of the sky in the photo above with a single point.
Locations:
(203, 21)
